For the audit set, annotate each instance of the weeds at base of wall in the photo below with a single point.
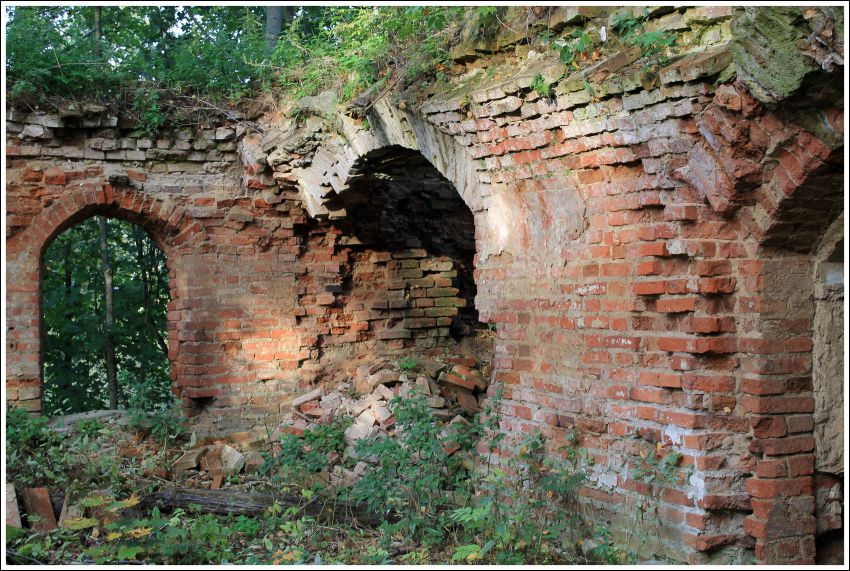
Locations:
(517, 503)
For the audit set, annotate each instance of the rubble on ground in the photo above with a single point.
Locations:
(454, 389)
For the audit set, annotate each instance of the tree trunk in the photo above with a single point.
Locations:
(158, 295)
(240, 502)
(273, 25)
(68, 364)
(109, 341)
(98, 31)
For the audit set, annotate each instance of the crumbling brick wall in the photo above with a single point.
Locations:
(645, 250)
(263, 299)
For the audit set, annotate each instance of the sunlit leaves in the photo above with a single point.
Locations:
(78, 523)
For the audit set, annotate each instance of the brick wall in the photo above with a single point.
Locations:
(264, 302)
(644, 249)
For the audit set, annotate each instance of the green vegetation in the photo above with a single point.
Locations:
(298, 457)
(52, 50)
(408, 364)
(37, 455)
(158, 61)
(632, 30)
(578, 46)
(456, 492)
(414, 475)
(541, 86)
(75, 324)
(219, 53)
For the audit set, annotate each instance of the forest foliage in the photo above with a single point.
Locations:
(218, 52)
(76, 334)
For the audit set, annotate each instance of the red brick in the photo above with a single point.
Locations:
(768, 426)
(685, 212)
(651, 249)
(54, 175)
(652, 394)
(778, 405)
(787, 445)
(33, 175)
(779, 488)
(649, 268)
(713, 286)
(648, 288)
(667, 380)
(676, 305)
(772, 469)
(37, 503)
(712, 267)
(801, 465)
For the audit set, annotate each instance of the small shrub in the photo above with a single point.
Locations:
(577, 47)
(411, 476)
(528, 511)
(33, 457)
(408, 364)
(541, 86)
(151, 116)
(652, 44)
(38, 456)
(300, 456)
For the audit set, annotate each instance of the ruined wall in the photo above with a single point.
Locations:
(645, 248)
(264, 301)
(224, 245)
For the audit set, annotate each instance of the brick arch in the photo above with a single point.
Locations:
(167, 223)
(800, 197)
(760, 170)
(337, 159)
(528, 220)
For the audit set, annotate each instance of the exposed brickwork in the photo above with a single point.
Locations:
(644, 252)
(263, 301)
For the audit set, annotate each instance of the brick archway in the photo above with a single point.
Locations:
(528, 220)
(175, 233)
(779, 371)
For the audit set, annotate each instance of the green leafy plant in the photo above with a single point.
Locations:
(529, 510)
(578, 46)
(541, 86)
(166, 426)
(33, 454)
(408, 363)
(300, 456)
(632, 29)
(654, 466)
(411, 474)
(151, 116)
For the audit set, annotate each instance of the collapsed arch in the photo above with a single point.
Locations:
(799, 325)
(399, 204)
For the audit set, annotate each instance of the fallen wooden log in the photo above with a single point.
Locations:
(239, 502)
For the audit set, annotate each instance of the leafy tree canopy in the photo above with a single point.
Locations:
(74, 326)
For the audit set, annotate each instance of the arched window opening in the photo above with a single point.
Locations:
(99, 352)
